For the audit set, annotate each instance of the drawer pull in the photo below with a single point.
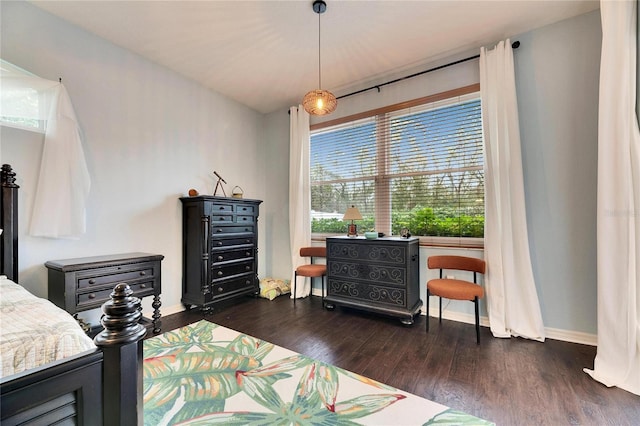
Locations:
(248, 241)
(222, 218)
(248, 254)
(247, 282)
(92, 296)
(247, 268)
(92, 281)
(220, 273)
(244, 218)
(220, 289)
(244, 209)
(219, 230)
(220, 258)
(246, 229)
(221, 207)
(143, 286)
(143, 273)
(219, 243)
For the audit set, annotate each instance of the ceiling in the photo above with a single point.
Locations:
(264, 54)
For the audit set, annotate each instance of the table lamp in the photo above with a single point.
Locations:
(352, 214)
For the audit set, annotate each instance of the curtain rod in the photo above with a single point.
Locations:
(514, 45)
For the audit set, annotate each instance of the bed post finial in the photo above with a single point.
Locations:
(120, 319)
(120, 342)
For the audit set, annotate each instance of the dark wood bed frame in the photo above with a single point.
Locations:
(102, 386)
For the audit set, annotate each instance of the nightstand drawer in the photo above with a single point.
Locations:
(97, 298)
(106, 276)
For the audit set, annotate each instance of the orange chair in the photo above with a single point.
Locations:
(454, 288)
(311, 270)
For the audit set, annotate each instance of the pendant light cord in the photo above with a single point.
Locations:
(319, 62)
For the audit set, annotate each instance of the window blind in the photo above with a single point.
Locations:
(419, 168)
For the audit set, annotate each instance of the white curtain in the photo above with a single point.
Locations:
(617, 361)
(59, 209)
(299, 194)
(512, 301)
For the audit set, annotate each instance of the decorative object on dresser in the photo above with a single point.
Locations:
(82, 284)
(378, 275)
(352, 214)
(220, 249)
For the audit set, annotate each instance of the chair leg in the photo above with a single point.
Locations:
(428, 294)
(295, 280)
(323, 278)
(440, 310)
(475, 301)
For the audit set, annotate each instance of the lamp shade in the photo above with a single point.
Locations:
(319, 102)
(352, 213)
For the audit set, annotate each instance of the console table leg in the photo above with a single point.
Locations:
(156, 313)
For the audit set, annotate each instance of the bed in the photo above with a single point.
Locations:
(87, 382)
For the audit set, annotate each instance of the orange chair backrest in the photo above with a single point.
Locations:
(313, 252)
(462, 263)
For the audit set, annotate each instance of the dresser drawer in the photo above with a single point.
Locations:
(225, 243)
(221, 218)
(384, 274)
(97, 298)
(369, 252)
(244, 209)
(245, 219)
(226, 271)
(218, 208)
(371, 293)
(230, 255)
(221, 230)
(112, 276)
(244, 284)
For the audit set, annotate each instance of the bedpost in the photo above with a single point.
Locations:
(9, 223)
(122, 372)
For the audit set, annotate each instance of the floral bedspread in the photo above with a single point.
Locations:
(34, 331)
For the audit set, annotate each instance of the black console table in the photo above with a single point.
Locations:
(378, 275)
(85, 283)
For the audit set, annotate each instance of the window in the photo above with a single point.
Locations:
(418, 165)
(21, 104)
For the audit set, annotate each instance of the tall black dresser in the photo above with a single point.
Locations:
(220, 249)
(379, 275)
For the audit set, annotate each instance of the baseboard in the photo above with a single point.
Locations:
(551, 333)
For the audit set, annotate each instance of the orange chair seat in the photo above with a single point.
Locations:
(312, 270)
(455, 289)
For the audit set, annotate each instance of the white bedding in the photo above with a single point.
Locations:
(34, 331)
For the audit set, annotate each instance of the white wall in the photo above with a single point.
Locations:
(149, 135)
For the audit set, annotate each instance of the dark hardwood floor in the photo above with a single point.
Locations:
(508, 381)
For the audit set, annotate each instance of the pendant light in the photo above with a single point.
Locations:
(319, 102)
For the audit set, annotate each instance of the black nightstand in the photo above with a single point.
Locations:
(85, 283)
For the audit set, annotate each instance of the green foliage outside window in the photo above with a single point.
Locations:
(442, 222)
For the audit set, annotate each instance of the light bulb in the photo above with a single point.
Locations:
(319, 103)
